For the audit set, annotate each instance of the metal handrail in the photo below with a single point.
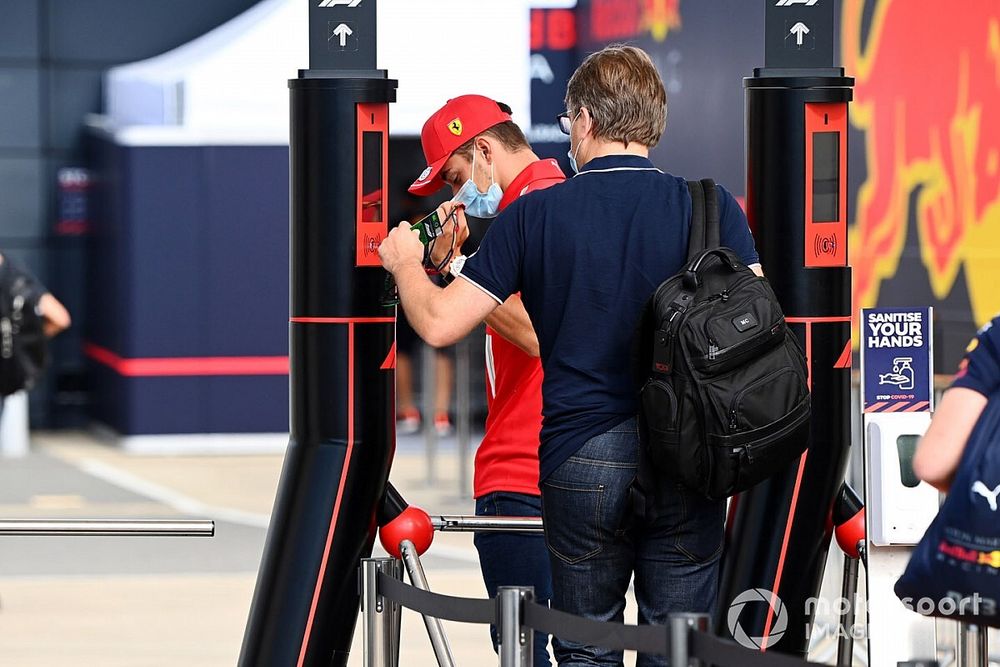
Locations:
(107, 527)
(457, 523)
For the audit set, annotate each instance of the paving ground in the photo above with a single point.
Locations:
(165, 602)
(144, 602)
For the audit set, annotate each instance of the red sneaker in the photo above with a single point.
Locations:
(408, 422)
(443, 425)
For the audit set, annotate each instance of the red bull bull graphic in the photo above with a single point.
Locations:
(659, 17)
(928, 101)
(628, 19)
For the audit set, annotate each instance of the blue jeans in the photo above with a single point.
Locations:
(596, 542)
(515, 559)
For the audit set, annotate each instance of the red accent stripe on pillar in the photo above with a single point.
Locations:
(340, 493)
(784, 549)
(390, 359)
(845, 357)
(186, 366)
(818, 320)
(795, 499)
(342, 320)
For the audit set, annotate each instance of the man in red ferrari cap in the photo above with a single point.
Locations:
(472, 146)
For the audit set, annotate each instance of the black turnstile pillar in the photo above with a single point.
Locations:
(305, 604)
(778, 532)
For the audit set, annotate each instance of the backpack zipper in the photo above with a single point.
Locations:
(749, 343)
(737, 401)
(7, 344)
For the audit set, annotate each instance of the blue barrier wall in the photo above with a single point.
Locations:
(188, 288)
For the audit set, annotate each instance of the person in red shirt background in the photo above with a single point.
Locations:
(472, 145)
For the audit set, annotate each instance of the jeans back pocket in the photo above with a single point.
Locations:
(698, 525)
(572, 515)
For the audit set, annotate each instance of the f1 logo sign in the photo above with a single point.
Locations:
(355, 3)
(789, 3)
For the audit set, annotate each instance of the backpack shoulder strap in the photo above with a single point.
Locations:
(712, 233)
(705, 232)
(696, 240)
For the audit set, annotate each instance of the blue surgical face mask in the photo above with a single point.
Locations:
(572, 161)
(571, 153)
(479, 204)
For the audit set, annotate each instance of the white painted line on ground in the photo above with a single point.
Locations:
(454, 553)
(191, 506)
(178, 501)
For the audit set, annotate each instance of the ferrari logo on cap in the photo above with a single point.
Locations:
(456, 127)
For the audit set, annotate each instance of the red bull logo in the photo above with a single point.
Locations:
(959, 553)
(628, 19)
(659, 17)
(928, 100)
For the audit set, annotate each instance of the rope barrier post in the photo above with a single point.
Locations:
(848, 591)
(428, 392)
(971, 648)
(516, 639)
(463, 409)
(381, 617)
(435, 629)
(681, 624)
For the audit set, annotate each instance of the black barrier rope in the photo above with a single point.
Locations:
(651, 639)
(717, 651)
(447, 607)
(613, 636)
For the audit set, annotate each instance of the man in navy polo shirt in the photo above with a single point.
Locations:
(977, 380)
(585, 256)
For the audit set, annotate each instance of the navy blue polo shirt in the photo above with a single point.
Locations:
(586, 255)
(980, 369)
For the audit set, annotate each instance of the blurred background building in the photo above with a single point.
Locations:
(162, 224)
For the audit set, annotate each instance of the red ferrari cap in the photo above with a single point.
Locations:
(452, 125)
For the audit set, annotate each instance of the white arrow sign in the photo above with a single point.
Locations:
(799, 29)
(343, 31)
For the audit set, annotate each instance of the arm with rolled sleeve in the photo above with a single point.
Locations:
(444, 316)
(941, 448)
(440, 316)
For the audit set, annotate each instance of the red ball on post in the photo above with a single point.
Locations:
(850, 533)
(412, 524)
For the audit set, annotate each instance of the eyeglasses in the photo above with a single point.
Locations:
(565, 122)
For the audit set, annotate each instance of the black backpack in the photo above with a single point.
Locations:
(725, 403)
(22, 337)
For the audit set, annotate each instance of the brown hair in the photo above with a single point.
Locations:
(507, 133)
(624, 94)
